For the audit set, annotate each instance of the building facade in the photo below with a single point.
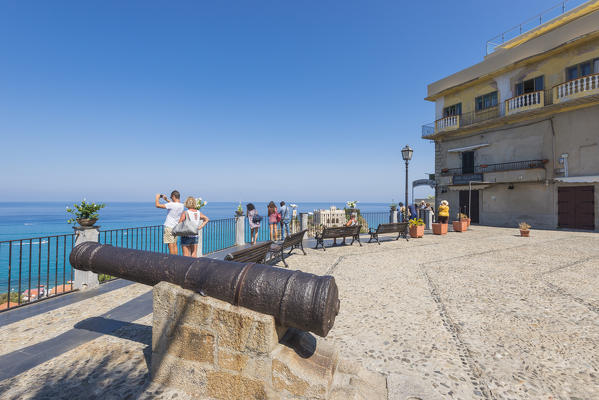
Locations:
(517, 135)
(329, 218)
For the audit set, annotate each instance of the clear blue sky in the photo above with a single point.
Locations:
(228, 100)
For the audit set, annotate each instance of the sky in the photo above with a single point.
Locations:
(228, 100)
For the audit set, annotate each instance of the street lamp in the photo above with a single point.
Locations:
(406, 154)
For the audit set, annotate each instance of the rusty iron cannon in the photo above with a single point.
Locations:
(296, 299)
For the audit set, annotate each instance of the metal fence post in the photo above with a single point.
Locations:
(239, 231)
(83, 280)
(201, 242)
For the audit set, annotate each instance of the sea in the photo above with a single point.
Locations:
(41, 260)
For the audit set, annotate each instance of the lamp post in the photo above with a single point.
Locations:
(406, 154)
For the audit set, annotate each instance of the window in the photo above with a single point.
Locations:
(488, 100)
(582, 69)
(529, 86)
(450, 111)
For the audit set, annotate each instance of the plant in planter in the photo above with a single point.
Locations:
(86, 214)
(460, 225)
(239, 211)
(416, 228)
(200, 203)
(463, 217)
(393, 206)
(439, 228)
(524, 229)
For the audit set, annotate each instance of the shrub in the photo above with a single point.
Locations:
(416, 222)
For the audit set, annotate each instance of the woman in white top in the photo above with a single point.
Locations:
(189, 244)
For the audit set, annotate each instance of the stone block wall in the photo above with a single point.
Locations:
(214, 350)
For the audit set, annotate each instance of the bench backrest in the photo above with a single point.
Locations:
(393, 227)
(256, 253)
(341, 231)
(294, 239)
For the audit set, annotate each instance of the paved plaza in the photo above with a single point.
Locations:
(479, 314)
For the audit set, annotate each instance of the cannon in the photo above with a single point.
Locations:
(296, 299)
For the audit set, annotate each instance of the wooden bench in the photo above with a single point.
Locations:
(401, 228)
(339, 232)
(291, 242)
(256, 253)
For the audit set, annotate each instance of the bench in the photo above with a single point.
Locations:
(338, 232)
(256, 253)
(292, 241)
(401, 228)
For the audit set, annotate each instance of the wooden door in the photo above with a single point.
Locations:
(576, 207)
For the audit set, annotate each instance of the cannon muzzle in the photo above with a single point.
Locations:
(296, 299)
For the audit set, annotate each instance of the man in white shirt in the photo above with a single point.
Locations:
(175, 209)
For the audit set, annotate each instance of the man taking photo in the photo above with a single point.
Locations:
(175, 209)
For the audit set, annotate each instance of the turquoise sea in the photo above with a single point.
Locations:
(40, 261)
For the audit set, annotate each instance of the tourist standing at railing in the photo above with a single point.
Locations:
(284, 211)
(402, 212)
(254, 221)
(443, 212)
(189, 244)
(273, 220)
(175, 209)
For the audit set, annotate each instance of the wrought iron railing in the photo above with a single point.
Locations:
(218, 234)
(507, 166)
(34, 269)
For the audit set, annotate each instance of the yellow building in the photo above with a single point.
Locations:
(517, 135)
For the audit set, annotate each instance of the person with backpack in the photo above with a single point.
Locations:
(189, 244)
(254, 221)
(285, 219)
(273, 220)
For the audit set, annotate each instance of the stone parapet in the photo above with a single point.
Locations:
(213, 350)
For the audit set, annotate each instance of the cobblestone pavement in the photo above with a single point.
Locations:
(480, 314)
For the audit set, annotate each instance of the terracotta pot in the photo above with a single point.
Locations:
(86, 221)
(525, 233)
(417, 231)
(460, 226)
(439, 228)
(468, 219)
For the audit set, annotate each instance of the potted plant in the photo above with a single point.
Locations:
(439, 228)
(84, 213)
(416, 228)
(200, 203)
(464, 217)
(524, 229)
(460, 225)
(393, 206)
(239, 211)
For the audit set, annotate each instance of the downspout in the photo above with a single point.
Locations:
(553, 200)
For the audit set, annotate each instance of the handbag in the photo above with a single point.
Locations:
(185, 228)
(256, 219)
(278, 217)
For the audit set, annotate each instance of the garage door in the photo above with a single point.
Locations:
(576, 207)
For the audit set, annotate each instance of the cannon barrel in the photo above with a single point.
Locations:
(296, 299)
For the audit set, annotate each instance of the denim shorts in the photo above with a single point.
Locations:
(189, 240)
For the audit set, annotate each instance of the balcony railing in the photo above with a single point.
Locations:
(525, 102)
(580, 87)
(447, 124)
(508, 166)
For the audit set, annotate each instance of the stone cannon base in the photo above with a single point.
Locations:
(211, 349)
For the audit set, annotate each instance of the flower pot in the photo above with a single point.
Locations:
(417, 231)
(238, 214)
(86, 221)
(468, 221)
(460, 226)
(439, 228)
(525, 233)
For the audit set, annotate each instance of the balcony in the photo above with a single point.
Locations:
(447, 124)
(576, 88)
(496, 172)
(525, 102)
